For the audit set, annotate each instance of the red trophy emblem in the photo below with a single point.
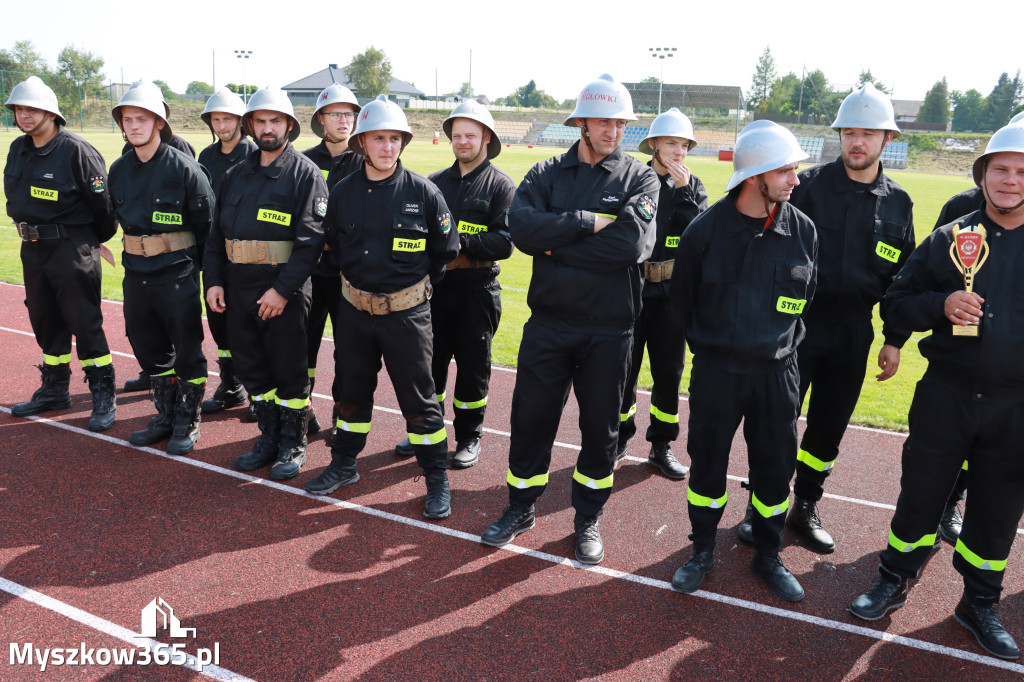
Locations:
(969, 252)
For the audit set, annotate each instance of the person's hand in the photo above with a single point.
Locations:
(601, 222)
(888, 362)
(215, 299)
(963, 308)
(271, 304)
(680, 173)
(107, 255)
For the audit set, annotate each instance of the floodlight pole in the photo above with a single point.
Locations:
(244, 55)
(661, 53)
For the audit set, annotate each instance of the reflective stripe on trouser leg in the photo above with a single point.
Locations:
(53, 360)
(666, 343)
(977, 561)
(468, 420)
(101, 361)
(705, 513)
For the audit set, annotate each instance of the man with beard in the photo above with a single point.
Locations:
(56, 189)
(865, 229)
(744, 275)
(466, 306)
(391, 232)
(223, 115)
(164, 203)
(265, 240)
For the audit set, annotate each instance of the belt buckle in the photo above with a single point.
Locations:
(142, 246)
(29, 233)
(380, 304)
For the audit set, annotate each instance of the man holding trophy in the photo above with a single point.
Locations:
(964, 285)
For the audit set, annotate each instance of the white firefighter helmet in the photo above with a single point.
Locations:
(145, 95)
(1009, 138)
(1016, 119)
(603, 98)
(380, 114)
(867, 108)
(222, 102)
(269, 98)
(673, 123)
(763, 146)
(33, 92)
(336, 93)
(474, 111)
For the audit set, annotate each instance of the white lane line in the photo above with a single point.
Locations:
(113, 629)
(562, 561)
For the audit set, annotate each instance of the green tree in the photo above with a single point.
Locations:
(165, 89)
(764, 79)
(370, 73)
(968, 110)
(530, 96)
(866, 77)
(815, 96)
(936, 104)
(198, 88)
(235, 88)
(781, 97)
(80, 66)
(466, 91)
(1002, 101)
(27, 59)
(651, 79)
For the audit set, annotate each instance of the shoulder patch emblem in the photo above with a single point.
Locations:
(97, 184)
(445, 221)
(320, 206)
(645, 207)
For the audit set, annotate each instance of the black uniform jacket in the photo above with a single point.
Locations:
(479, 203)
(589, 282)
(389, 234)
(334, 169)
(64, 182)
(345, 164)
(175, 141)
(994, 361)
(284, 201)
(168, 193)
(960, 205)
(865, 235)
(217, 162)
(677, 207)
(741, 288)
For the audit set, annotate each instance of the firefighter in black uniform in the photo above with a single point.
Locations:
(56, 188)
(681, 198)
(333, 120)
(744, 275)
(466, 306)
(223, 115)
(969, 405)
(265, 240)
(164, 203)
(587, 219)
(865, 230)
(392, 234)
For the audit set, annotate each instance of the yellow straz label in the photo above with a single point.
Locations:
(471, 228)
(790, 306)
(410, 245)
(47, 194)
(266, 215)
(672, 242)
(166, 218)
(887, 252)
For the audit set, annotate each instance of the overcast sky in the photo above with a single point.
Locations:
(560, 45)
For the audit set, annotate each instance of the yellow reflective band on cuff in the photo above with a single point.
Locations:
(523, 483)
(790, 306)
(353, 427)
(293, 403)
(887, 252)
(168, 373)
(102, 361)
(56, 359)
(701, 501)
(471, 228)
(664, 416)
(399, 244)
(221, 353)
(198, 381)
(311, 372)
(440, 397)
(428, 438)
(976, 561)
(592, 483)
(471, 405)
(965, 465)
(268, 397)
(607, 215)
(901, 546)
(813, 462)
(769, 511)
(625, 416)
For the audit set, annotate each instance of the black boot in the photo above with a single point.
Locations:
(264, 451)
(291, 452)
(803, 518)
(104, 403)
(162, 424)
(690, 576)
(621, 450)
(887, 593)
(467, 453)
(783, 583)
(952, 522)
(439, 496)
(53, 394)
(513, 521)
(142, 383)
(745, 531)
(312, 425)
(187, 409)
(661, 457)
(329, 438)
(230, 393)
(405, 449)
(978, 614)
(339, 473)
(589, 547)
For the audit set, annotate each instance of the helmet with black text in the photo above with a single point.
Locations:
(144, 95)
(33, 92)
(269, 98)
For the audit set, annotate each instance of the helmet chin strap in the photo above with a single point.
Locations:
(984, 190)
(763, 188)
(586, 139)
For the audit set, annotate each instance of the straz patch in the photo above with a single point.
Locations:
(885, 251)
(672, 242)
(790, 306)
(645, 207)
(471, 228)
(320, 206)
(269, 216)
(44, 194)
(97, 184)
(409, 244)
(166, 218)
(444, 220)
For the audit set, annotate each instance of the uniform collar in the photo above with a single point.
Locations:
(841, 182)
(49, 146)
(390, 180)
(608, 163)
(780, 226)
(275, 169)
(457, 172)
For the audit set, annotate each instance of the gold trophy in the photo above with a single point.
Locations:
(969, 252)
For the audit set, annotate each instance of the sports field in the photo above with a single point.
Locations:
(883, 405)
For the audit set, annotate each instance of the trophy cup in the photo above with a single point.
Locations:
(969, 252)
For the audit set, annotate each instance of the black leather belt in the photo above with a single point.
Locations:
(34, 233)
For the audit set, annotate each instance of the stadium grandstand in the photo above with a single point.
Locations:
(705, 99)
(512, 132)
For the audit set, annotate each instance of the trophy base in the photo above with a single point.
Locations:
(969, 330)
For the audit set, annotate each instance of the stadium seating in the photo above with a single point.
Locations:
(812, 146)
(895, 155)
(709, 142)
(512, 132)
(557, 134)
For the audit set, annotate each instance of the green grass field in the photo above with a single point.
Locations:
(883, 405)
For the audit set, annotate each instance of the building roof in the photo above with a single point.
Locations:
(332, 74)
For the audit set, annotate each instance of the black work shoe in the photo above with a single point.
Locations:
(589, 548)
(689, 577)
(621, 450)
(162, 425)
(513, 521)
(782, 582)
(803, 518)
(141, 383)
(978, 615)
(661, 458)
(405, 449)
(745, 531)
(467, 453)
(265, 449)
(313, 424)
(104, 402)
(340, 472)
(185, 422)
(439, 496)
(249, 415)
(884, 596)
(53, 394)
(225, 397)
(951, 524)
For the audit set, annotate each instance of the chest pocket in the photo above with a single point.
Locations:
(168, 214)
(409, 235)
(276, 212)
(886, 247)
(791, 282)
(473, 216)
(49, 187)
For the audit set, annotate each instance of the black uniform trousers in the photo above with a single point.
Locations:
(402, 340)
(218, 323)
(163, 316)
(658, 329)
(832, 361)
(62, 293)
(325, 300)
(551, 360)
(265, 351)
(767, 402)
(950, 422)
(464, 323)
